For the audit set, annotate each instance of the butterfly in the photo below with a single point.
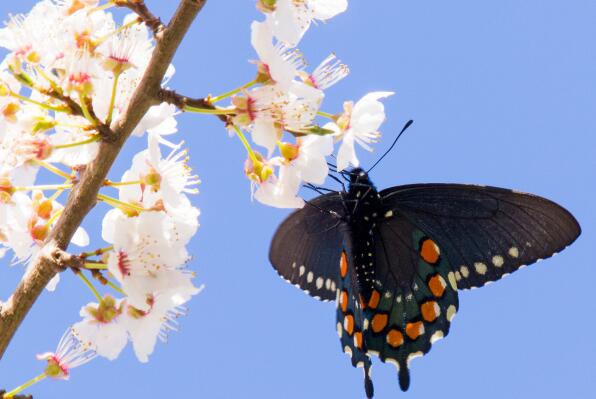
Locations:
(394, 260)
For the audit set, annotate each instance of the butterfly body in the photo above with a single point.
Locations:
(394, 260)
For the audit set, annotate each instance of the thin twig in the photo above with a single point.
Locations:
(145, 15)
(84, 195)
(2, 392)
(181, 101)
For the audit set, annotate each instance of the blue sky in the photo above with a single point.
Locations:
(502, 93)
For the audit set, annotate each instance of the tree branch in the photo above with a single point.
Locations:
(84, 195)
(181, 101)
(145, 15)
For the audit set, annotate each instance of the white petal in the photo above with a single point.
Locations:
(265, 134)
(325, 9)
(80, 238)
(347, 153)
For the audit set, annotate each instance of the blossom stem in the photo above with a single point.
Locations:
(327, 115)
(119, 204)
(44, 75)
(116, 288)
(55, 195)
(230, 93)
(73, 126)
(86, 112)
(97, 252)
(116, 31)
(90, 285)
(55, 217)
(103, 7)
(95, 266)
(122, 183)
(39, 104)
(54, 170)
(217, 111)
(92, 139)
(242, 138)
(113, 98)
(24, 386)
(47, 187)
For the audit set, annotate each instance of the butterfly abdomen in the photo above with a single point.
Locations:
(364, 202)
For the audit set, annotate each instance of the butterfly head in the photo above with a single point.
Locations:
(359, 176)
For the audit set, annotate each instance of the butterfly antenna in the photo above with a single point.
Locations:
(406, 126)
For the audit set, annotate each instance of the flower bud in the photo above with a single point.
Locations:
(43, 209)
(39, 232)
(264, 74)
(53, 368)
(42, 124)
(257, 170)
(106, 311)
(266, 6)
(81, 82)
(289, 151)
(5, 90)
(6, 190)
(344, 119)
(245, 113)
(152, 179)
(10, 110)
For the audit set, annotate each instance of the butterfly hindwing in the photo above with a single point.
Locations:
(404, 317)
(485, 232)
(350, 317)
(306, 248)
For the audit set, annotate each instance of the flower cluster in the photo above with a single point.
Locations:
(286, 98)
(69, 75)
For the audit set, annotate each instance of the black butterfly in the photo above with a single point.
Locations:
(394, 260)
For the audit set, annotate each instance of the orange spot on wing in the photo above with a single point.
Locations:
(349, 324)
(374, 300)
(358, 341)
(343, 265)
(437, 285)
(429, 251)
(395, 338)
(430, 311)
(414, 330)
(379, 322)
(343, 300)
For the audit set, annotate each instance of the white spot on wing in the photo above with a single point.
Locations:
(465, 272)
(310, 277)
(413, 356)
(498, 260)
(514, 252)
(301, 271)
(452, 280)
(436, 336)
(451, 312)
(320, 282)
(480, 268)
(388, 214)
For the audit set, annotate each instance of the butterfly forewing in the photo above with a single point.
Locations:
(306, 248)
(485, 232)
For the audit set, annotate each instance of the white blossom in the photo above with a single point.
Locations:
(291, 18)
(359, 124)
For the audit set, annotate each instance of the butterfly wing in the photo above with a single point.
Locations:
(306, 248)
(484, 232)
